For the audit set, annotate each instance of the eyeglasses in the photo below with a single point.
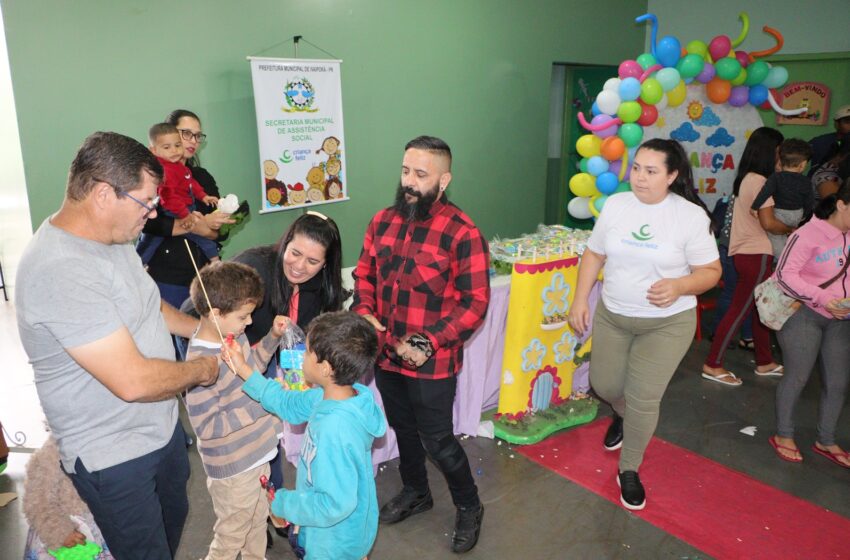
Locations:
(187, 134)
(150, 208)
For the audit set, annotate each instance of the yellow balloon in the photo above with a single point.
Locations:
(592, 206)
(583, 184)
(588, 146)
(740, 78)
(676, 96)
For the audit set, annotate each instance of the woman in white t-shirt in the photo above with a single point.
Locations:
(658, 254)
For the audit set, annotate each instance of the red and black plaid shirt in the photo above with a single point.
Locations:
(426, 276)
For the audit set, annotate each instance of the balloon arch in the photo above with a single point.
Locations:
(655, 81)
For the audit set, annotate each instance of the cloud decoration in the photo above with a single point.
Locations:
(721, 137)
(685, 133)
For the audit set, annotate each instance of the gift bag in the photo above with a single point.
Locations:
(290, 372)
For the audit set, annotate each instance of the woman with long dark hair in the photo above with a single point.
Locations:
(753, 256)
(302, 274)
(659, 254)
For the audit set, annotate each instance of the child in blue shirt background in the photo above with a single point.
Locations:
(334, 503)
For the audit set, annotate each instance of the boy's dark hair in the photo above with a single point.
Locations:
(161, 129)
(794, 152)
(229, 285)
(109, 157)
(347, 341)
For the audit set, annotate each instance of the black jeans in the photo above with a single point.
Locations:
(420, 412)
(140, 505)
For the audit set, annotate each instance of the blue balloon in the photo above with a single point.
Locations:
(595, 109)
(629, 89)
(758, 95)
(668, 51)
(607, 183)
(597, 165)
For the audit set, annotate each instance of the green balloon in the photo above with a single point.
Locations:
(582, 165)
(690, 65)
(756, 72)
(631, 134)
(629, 111)
(623, 187)
(698, 48)
(651, 91)
(740, 78)
(646, 60)
(727, 68)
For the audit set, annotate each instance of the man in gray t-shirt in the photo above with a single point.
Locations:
(97, 335)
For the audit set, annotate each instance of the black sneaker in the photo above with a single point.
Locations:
(408, 502)
(632, 495)
(614, 436)
(467, 528)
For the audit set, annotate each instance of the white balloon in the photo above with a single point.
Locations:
(578, 208)
(612, 84)
(608, 101)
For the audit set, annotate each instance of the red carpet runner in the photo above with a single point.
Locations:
(719, 511)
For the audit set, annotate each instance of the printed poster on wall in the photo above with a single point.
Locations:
(299, 126)
(713, 136)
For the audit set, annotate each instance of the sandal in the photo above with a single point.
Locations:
(747, 344)
(778, 371)
(833, 456)
(727, 378)
(776, 447)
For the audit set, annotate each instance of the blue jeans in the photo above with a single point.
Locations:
(140, 505)
(730, 278)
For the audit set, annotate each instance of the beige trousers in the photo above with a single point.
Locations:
(241, 509)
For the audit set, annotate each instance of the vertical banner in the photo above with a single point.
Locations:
(299, 126)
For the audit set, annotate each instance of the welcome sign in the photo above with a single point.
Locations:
(299, 126)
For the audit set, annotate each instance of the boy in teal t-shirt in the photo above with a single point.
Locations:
(334, 504)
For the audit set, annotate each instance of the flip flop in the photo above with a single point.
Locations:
(735, 382)
(777, 447)
(832, 456)
(747, 344)
(778, 371)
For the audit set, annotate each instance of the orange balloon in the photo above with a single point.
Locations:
(612, 148)
(718, 90)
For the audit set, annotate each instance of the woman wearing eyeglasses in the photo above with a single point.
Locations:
(170, 266)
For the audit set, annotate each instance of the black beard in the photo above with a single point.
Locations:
(419, 209)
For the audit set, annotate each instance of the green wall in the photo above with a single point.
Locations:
(475, 72)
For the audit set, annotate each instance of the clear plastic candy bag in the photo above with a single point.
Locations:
(290, 372)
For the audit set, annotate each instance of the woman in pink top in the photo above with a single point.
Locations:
(815, 254)
(753, 257)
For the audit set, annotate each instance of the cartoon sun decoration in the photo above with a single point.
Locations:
(695, 110)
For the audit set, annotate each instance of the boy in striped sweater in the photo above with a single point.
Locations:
(236, 436)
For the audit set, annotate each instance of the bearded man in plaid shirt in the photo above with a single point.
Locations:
(422, 280)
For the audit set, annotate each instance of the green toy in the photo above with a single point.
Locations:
(88, 551)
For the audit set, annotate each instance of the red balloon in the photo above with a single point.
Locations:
(648, 114)
(743, 58)
(718, 90)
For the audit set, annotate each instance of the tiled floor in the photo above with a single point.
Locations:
(531, 512)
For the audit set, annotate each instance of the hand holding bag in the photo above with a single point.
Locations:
(775, 307)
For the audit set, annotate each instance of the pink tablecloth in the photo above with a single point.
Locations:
(477, 384)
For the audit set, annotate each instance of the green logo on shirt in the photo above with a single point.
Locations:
(643, 233)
